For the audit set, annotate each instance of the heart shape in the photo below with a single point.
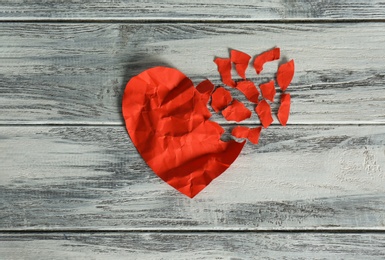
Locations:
(169, 123)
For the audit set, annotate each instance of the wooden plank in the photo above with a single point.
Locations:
(93, 178)
(217, 245)
(76, 73)
(197, 10)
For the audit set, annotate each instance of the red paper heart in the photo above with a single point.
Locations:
(168, 122)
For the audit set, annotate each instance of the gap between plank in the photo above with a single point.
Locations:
(197, 230)
(184, 20)
(116, 124)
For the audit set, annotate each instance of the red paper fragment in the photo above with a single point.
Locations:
(264, 112)
(168, 123)
(241, 61)
(249, 90)
(236, 111)
(284, 109)
(240, 131)
(205, 88)
(220, 99)
(285, 74)
(224, 69)
(268, 90)
(252, 134)
(260, 60)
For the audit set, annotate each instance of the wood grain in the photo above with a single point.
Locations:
(92, 177)
(68, 168)
(170, 10)
(65, 245)
(76, 73)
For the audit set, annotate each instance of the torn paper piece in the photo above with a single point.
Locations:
(268, 90)
(285, 74)
(284, 109)
(252, 134)
(241, 61)
(236, 111)
(205, 88)
(249, 90)
(224, 69)
(220, 99)
(264, 113)
(267, 56)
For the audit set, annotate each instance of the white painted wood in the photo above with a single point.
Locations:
(324, 172)
(191, 10)
(92, 177)
(76, 73)
(216, 245)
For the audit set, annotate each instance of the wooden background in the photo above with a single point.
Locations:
(72, 185)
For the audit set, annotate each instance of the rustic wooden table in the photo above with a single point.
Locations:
(72, 185)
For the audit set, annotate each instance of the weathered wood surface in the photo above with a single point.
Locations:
(67, 164)
(76, 73)
(193, 10)
(92, 177)
(67, 245)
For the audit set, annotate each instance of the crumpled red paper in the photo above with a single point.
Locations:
(205, 88)
(241, 61)
(285, 74)
(249, 90)
(284, 109)
(220, 99)
(268, 90)
(252, 134)
(264, 113)
(236, 111)
(260, 60)
(169, 124)
(224, 69)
